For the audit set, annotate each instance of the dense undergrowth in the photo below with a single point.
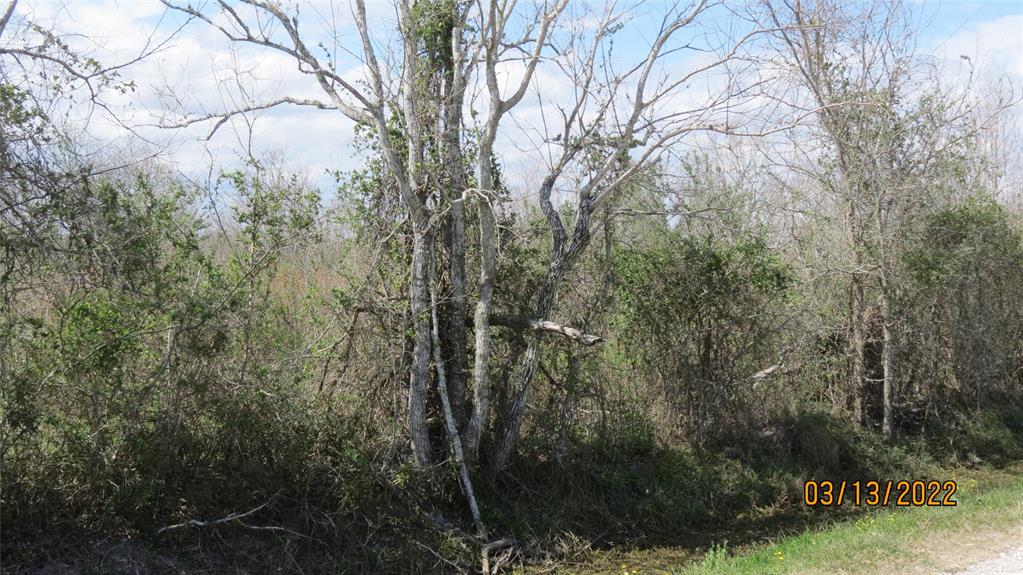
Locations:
(171, 377)
(331, 509)
(217, 378)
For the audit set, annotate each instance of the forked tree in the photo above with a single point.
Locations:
(453, 72)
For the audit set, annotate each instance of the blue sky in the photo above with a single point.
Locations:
(951, 16)
(196, 73)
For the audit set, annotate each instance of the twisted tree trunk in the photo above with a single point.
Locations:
(561, 263)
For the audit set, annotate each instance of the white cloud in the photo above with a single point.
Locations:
(993, 47)
(202, 72)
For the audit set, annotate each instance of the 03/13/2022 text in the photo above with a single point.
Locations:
(902, 493)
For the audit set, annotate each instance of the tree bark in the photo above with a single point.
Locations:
(454, 440)
(481, 374)
(561, 263)
(887, 362)
(492, 36)
(488, 270)
(419, 372)
(887, 351)
(453, 164)
(512, 420)
(456, 335)
(857, 345)
(7, 15)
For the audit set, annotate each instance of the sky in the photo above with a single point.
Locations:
(198, 72)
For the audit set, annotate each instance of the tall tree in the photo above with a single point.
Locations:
(621, 114)
(887, 125)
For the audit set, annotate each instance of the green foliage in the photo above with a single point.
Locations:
(975, 233)
(17, 112)
(715, 557)
(697, 315)
(99, 333)
(170, 354)
(693, 274)
(432, 22)
(963, 325)
(269, 212)
(993, 437)
(135, 396)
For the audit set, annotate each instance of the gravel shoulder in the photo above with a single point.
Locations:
(1006, 563)
(979, 552)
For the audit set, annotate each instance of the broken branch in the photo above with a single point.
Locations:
(525, 323)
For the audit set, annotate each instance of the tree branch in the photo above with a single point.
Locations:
(223, 117)
(524, 323)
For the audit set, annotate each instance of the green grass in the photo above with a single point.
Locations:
(872, 542)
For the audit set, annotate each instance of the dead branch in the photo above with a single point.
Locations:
(7, 15)
(457, 567)
(524, 323)
(197, 523)
(223, 117)
(487, 549)
(232, 517)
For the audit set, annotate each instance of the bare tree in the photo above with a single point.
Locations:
(492, 42)
(372, 106)
(618, 122)
(619, 125)
(53, 67)
(889, 124)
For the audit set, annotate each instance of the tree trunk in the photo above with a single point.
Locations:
(887, 351)
(484, 306)
(454, 165)
(857, 344)
(456, 338)
(419, 372)
(488, 266)
(454, 440)
(512, 420)
(857, 303)
(889, 370)
(560, 265)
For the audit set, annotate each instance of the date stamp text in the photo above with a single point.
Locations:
(904, 493)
